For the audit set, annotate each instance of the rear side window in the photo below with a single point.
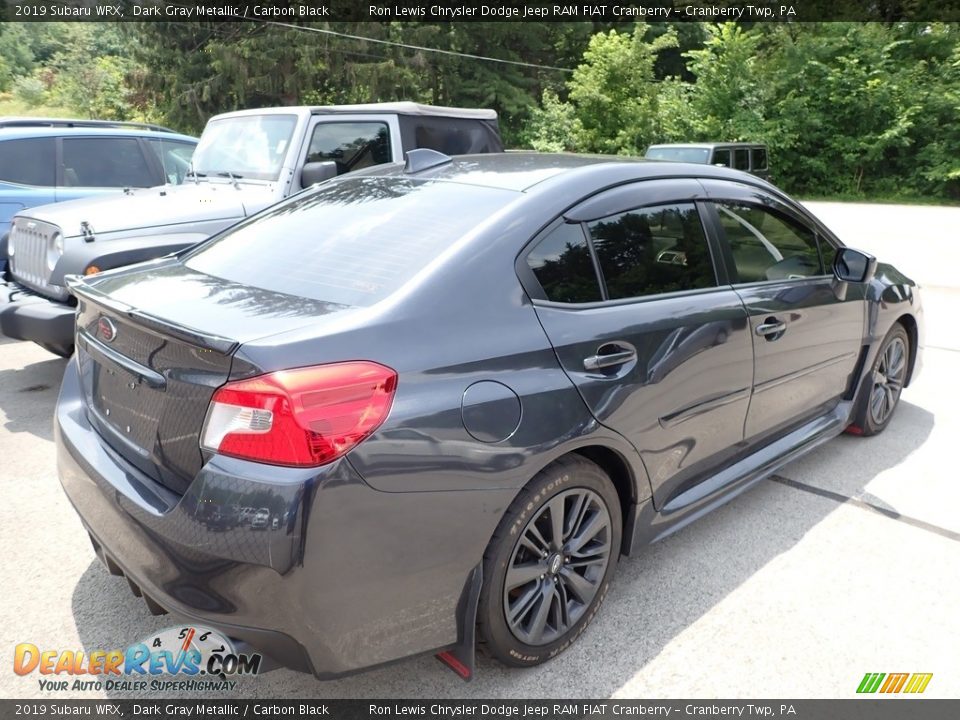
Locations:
(653, 250)
(105, 162)
(563, 266)
(759, 161)
(768, 246)
(173, 156)
(351, 145)
(350, 242)
(28, 162)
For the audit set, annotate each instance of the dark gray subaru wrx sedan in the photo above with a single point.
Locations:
(429, 406)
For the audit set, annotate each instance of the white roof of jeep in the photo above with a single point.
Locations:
(397, 108)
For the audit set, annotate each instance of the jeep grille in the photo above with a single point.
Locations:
(28, 265)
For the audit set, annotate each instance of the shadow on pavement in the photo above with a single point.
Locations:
(28, 396)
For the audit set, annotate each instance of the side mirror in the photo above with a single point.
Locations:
(851, 265)
(317, 172)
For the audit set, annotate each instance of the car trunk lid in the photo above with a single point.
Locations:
(148, 367)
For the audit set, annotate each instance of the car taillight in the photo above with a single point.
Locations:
(304, 417)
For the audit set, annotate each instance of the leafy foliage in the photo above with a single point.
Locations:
(852, 109)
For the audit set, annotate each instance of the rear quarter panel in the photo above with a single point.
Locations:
(468, 321)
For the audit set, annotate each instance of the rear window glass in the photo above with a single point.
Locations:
(352, 242)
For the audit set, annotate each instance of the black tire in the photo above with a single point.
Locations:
(590, 529)
(880, 393)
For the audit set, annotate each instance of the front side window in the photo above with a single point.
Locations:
(248, 146)
(563, 266)
(351, 145)
(768, 246)
(30, 161)
(105, 162)
(680, 154)
(653, 250)
(721, 157)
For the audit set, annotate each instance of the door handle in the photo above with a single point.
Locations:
(771, 328)
(622, 353)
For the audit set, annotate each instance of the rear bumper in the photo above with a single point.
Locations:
(26, 316)
(376, 577)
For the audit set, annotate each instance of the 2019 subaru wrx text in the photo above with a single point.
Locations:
(459, 392)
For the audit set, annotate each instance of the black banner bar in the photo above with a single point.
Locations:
(866, 709)
(625, 11)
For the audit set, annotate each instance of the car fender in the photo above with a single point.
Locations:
(119, 253)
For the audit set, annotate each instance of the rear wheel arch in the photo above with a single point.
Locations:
(620, 474)
(910, 325)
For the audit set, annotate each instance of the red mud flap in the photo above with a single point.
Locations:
(853, 430)
(461, 658)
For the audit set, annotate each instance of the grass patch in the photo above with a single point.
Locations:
(12, 106)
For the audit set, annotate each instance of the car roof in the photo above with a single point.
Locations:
(522, 171)
(29, 121)
(19, 132)
(396, 108)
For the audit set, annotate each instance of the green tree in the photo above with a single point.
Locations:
(844, 106)
(613, 94)
(727, 101)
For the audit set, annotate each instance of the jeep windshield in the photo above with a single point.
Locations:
(244, 147)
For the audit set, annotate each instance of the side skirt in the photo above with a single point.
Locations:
(645, 525)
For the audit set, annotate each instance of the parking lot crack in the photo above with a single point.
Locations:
(856, 502)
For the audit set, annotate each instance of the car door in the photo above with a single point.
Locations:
(807, 336)
(626, 290)
(102, 164)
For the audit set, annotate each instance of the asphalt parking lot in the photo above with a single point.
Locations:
(847, 562)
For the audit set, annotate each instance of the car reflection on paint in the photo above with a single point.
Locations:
(260, 519)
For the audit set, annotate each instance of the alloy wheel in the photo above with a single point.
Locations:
(888, 381)
(557, 566)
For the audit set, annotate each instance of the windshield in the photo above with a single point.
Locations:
(679, 154)
(352, 242)
(248, 146)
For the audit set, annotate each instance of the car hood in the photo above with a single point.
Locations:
(155, 207)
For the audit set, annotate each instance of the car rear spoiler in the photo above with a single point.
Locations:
(82, 290)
